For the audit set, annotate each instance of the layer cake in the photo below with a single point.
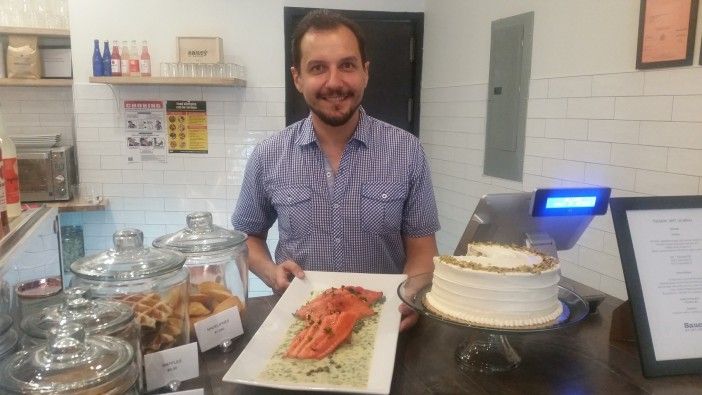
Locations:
(496, 285)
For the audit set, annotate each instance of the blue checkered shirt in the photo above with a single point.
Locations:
(352, 221)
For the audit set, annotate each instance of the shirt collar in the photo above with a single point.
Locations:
(362, 133)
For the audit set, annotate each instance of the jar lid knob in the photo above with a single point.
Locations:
(65, 341)
(199, 220)
(128, 239)
(77, 298)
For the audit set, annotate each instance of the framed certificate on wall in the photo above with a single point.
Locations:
(660, 244)
(666, 33)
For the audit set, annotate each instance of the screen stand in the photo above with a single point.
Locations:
(542, 243)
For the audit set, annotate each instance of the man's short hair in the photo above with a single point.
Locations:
(324, 20)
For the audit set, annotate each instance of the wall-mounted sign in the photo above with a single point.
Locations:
(145, 135)
(666, 33)
(187, 126)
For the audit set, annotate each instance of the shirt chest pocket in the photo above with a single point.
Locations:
(294, 208)
(381, 207)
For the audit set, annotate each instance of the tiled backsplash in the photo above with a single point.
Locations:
(38, 110)
(155, 197)
(638, 132)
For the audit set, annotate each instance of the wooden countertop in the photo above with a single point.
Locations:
(575, 360)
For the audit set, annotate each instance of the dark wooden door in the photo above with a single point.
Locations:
(393, 46)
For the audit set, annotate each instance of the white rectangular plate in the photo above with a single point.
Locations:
(253, 359)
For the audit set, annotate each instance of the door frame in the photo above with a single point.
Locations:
(416, 18)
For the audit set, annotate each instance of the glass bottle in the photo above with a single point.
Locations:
(106, 60)
(125, 59)
(145, 60)
(97, 59)
(10, 173)
(134, 60)
(116, 60)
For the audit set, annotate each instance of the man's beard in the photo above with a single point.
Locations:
(335, 120)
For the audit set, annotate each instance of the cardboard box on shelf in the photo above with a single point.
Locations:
(200, 50)
(56, 62)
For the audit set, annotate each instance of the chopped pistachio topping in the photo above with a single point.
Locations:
(547, 263)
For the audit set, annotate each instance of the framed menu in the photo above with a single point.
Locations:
(660, 244)
(666, 33)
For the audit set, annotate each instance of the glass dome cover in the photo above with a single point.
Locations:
(128, 260)
(71, 363)
(95, 316)
(201, 236)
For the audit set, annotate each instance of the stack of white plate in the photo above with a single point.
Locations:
(38, 141)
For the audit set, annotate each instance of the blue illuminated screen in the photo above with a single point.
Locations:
(571, 202)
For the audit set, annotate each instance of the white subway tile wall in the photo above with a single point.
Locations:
(38, 110)
(639, 133)
(155, 197)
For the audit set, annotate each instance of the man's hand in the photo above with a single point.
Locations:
(409, 317)
(281, 274)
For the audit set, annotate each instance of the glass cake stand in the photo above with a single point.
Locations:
(490, 351)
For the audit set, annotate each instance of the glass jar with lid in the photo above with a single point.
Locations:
(153, 281)
(97, 317)
(217, 259)
(8, 336)
(71, 363)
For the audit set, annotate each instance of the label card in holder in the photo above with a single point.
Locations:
(178, 363)
(198, 391)
(217, 329)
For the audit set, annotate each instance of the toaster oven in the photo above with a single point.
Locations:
(46, 174)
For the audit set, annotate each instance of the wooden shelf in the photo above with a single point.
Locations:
(168, 81)
(35, 31)
(39, 82)
(78, 205)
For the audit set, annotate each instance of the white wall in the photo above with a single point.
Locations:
(156, 197)
(592, 118)
(570, 38)
(252, 30)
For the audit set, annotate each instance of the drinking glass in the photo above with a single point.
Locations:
(220, 70)
(173, 70)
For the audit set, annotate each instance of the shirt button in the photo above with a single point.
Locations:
(289, 198)
(336, 205)
(328, 174)
(337, 240)
(384, 196)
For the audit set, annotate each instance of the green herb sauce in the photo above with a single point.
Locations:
(347, 366)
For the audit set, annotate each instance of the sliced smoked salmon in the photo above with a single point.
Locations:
(330, 318)
(346, 298)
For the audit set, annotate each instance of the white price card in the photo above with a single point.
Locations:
(198, 391)
(177, 363)
(217, 329)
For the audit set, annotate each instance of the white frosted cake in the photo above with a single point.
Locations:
(496, 285)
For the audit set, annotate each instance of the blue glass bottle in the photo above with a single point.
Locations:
(97, 60)
(107, 61)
